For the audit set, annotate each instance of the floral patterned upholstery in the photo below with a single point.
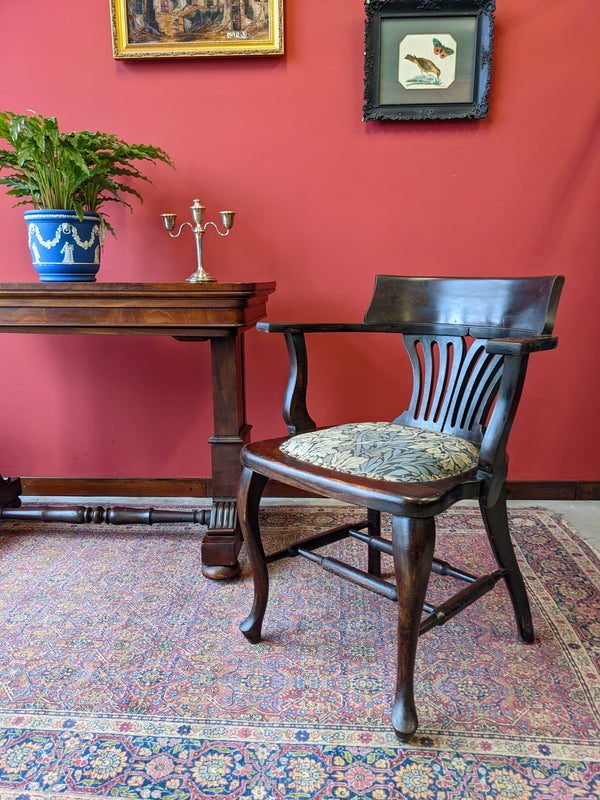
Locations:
(385, 451)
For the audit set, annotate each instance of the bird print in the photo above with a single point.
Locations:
(424, 64)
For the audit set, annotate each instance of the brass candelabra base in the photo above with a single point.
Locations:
(200, 276)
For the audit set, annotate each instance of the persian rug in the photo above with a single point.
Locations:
(123, 673)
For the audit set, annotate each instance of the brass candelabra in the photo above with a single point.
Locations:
(200, 275)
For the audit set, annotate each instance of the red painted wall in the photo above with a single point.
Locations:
(324, 202)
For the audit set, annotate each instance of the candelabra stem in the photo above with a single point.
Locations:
(200, 275)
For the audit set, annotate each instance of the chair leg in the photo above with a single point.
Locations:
(249, 493)
(374, 556)
(495, 519)
(413, 542)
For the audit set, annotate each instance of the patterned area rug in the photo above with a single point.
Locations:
(123, 673)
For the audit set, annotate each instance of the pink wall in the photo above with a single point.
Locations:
(324, 202)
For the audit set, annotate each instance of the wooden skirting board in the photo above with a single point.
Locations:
(201, 487)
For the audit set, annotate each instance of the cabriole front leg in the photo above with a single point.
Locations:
(413, 542)
(249, 494)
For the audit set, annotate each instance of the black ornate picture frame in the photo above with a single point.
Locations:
(427, 59)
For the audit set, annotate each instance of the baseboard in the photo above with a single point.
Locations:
(553, 490)
(117, 487)
(201, 487)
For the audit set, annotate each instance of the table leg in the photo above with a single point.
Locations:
(10, 489)
(223, 538)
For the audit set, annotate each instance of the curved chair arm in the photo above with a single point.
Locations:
(363, 327)
(295, 412)
(311, 327)
(492, 454)
(520, 346)
(514, 349)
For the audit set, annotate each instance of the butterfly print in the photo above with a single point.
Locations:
(441, 50)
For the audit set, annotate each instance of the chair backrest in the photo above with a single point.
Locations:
(494, 307)
(446, 325)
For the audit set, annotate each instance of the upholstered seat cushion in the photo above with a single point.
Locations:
(385, 451)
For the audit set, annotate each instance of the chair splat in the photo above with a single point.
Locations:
(454, 384)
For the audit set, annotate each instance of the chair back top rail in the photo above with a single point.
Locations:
(512, 305)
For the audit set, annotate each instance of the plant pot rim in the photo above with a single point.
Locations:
(59, 211)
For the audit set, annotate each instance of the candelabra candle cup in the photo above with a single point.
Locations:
(197, 209)
(227, 218)
(168, 221)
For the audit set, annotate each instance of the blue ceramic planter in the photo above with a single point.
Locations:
(64, 248)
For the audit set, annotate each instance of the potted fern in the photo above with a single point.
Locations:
(68, 178)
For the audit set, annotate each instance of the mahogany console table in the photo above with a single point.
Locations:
(219, 312)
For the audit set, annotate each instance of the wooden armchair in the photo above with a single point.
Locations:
(468, 341)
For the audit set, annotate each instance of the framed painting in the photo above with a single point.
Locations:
(427, 59)
(190, 28)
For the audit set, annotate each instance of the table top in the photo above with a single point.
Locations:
(183, 310)
(101, 289)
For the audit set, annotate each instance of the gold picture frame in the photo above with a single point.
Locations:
(193, 28)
